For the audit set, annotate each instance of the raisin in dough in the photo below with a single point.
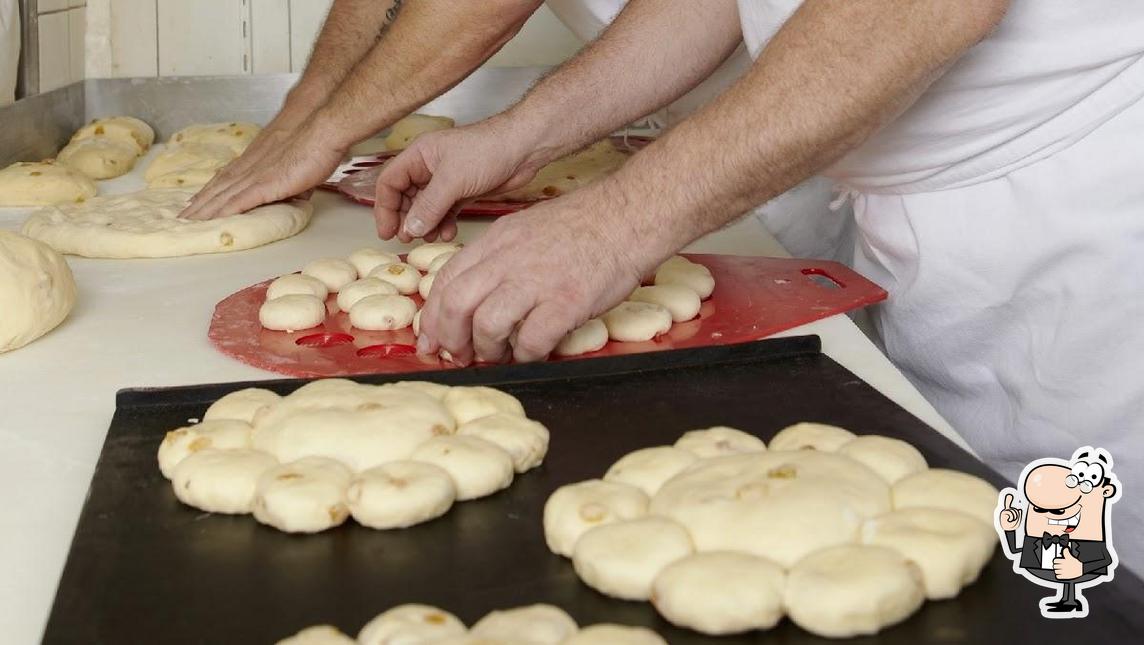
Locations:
(681, 302)
(525, 440)
(409, 128)
(220, 434)
(691, 275)
(852, 590)
(318, 635)
(422, 256)
(400, 494)
(576, 508)
(242, 405)
(332, 272)
(353, 292)
(467, 403)
(368, 259)
(477, 467)
(220, 481)
(532, 625)
(633, 322)
(43, 184)
(589, 337)
(609, 634)
(99, 157)
(622, 559)
(383, 312)
(648, 468)
(291, 313)
(891, 458)
(37, 290)
(719, 441)
(304, 496)
(947, 489)
(814, 436)
(297, 284)
(412, 624)
(720, 592)
(404, 276)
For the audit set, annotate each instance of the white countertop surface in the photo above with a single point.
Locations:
(144, 323)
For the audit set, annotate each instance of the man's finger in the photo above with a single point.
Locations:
(542, 330)
(432, 204)
(448, 315)
(398, 176)
(495, 320)
(1008, 500)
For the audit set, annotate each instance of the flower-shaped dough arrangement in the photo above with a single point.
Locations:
(390, 455)
(845, 534)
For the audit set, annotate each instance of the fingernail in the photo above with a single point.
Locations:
(422, 345)
(415, 227)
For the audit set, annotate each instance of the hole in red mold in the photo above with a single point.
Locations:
(823, 279)
(368, 164)
(324, 340)
(386, 350)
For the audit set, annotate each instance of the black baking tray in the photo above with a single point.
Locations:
(145, 569)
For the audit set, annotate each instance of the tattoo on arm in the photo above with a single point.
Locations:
(390, 16)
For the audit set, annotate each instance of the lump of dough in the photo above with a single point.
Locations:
(609, 634)
(947, 489)
(801, 501)
(368, 259)
(575, 508)
(525, 440)
(589, 337)
(37, 290)
(99, 157)
(304, 496)
(187, 165)
(681, 302)
(422, 256)
(406, 130)
(235, 135)
(720, 592)
(335, 273)
(691, 275)
(477, 467)
(412, 624)
(399, 494)
(467, 403)
(122, 128)
(296, 283)
(416, 323)
(220, 481)
(43, 184)
(435, 390)
(950, 547)
(633, 322)
(440, 261)
(383, 312)
(569, 173)
(220, 434)
(532, 625)
(404, 276)
(318, 635)
(426, 285)
(291, 313)
(852, 590)
(811, 436)
(891, 458)
(353, 292)
(622, 559)
(648, 468)
(242, 405)
(719, 441)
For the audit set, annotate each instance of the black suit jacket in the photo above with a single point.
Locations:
(1094, 555)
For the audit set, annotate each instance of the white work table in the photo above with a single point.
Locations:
(144, 323)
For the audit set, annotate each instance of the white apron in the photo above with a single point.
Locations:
(1004, 212)
(801, 218)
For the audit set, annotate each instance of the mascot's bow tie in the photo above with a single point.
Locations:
(1046, 540)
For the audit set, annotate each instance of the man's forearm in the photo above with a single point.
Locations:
(833, 75)
(431, 46)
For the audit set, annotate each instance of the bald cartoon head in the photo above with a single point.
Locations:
(1070, 499)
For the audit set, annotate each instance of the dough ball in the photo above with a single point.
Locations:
(633, 322)
(531, 625)
(852, 590)
(332, 272)
(720, 592)
(368, 259)
(37, 291)
(623, 558)
(947, 489)
(405, 277)
(440, 261)
(691, 275)
(680, 301)
(123, 128)
(426, 285)
(608, 634)
(319, 635)
(353, 292)
(406, 130)
(467, 403)
(675, 261)
(383, 312)
(422, 256)
(477, 467)
(811, 436)
(589, 337)
(412, 625)
(297, 284)
(719, 441)
(647, 469)
(801, 501)
(399, 494)
(525, 440)
(575, 508)
(291, 313)
(304, 496)
(891, 458)
(949, 547)
(235, 135)
(220, 481)
(43, 184)
(220, 434)
(242, 405)
(99, 157)
(187, 165)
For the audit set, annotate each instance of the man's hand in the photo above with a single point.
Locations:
(1010, 516)
(1067, 567)
(532, 277)
(441, 169)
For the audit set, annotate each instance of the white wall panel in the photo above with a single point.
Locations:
(270, 36)
(76, 28)
(306, 18)
(202, 37)
(133, 38)
(54, 51)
